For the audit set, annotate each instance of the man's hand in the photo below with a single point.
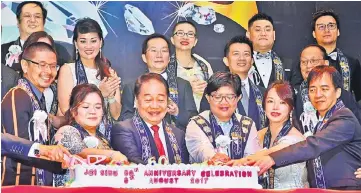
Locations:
(358, 173)
(53, 152)
(263, 162)
(237, 162)
(172, 108)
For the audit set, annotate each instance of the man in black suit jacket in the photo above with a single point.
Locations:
(146, 134)
(157, 56)
(326, 29)
(31, 17)
(267, 66)
(333, 151)
(9, 79)
(22, 149)
(311, 56)
(20, 104)
(238, 58)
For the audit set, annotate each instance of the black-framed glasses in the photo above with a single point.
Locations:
(43, 66)
(228, 98)
(182, 33)
(329, 26)
(312, 62)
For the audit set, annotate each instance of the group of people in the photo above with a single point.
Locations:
(303, 134)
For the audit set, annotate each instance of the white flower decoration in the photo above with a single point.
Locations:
(15, 49)
(307, 134)
(308, 108)
(91, 142)
(223, 141)
(13, 55)
(40, 127)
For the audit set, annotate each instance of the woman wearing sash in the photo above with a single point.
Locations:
(81, 136)
(90, 67)
(278, 104)
(206, 131)
(190, 67)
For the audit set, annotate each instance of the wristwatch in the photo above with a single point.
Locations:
(111, 100)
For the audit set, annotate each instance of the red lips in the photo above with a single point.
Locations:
(184, 43)
(275, 114)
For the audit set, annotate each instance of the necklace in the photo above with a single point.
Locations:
(186, 66)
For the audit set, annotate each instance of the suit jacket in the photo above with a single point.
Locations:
(253, 112)
(346, 97)
(63, 51)
(338, 145)
(9, 79)
(125, 138)
(15, 147)
(187, 106)
(22, 108)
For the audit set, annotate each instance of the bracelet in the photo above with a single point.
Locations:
(111, 100)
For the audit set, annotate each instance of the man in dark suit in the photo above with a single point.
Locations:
(146, 134)
(19, 106)
(9, 79)
(267, 65)
(333, 151)
(31, 17)
(22, 149)
(238, 58)
(157, 56)
(326, 29)
(311, 56)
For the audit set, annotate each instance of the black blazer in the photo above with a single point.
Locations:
(9, 79)
(338, 144)
(125, 138)
(187, 106)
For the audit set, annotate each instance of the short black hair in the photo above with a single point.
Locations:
(318, 71)
(321, 13)
(322, 49)
(146, 78)
(22, 4)
(238, 39)
(259, 16)
(185, 22)
(30, 50)
(220, 79)
(153, 36)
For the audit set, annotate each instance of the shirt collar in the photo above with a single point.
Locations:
(36, 91)
(224, 124)
(245, 81)
(160, 125)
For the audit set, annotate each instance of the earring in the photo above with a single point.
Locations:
(291, 116)
(76, 53)
(100, 52)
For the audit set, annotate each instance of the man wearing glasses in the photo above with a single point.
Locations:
(326, 29)
(238, 58)
(31, 17)
(311, 56)
(20, 115)
(156, 55)
(221, 134)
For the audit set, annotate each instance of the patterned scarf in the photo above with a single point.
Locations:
(25, 85)
(144, 138)
(269, 183)
(259, 98)
(316, 163)
(81, 78)
(345, 70)
(238, 134)
(172, 80)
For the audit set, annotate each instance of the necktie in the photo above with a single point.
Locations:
(244, 99)
(42, 103)
(157, 140)
(333, 55)
(266, 55)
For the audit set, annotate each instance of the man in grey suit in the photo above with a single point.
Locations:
(156, 55)
(333, 151)
(22, 149)
(147, 135)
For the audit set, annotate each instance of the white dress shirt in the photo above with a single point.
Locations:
(264, 67)
(35, 146)
(161, 136)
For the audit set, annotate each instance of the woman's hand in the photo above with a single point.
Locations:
(198, 86)
(173, 108)
(358, 173)
(109, 85)
(118, 157)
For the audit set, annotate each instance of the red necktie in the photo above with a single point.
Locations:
(157, 140)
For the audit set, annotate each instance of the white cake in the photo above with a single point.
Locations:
(165, 176)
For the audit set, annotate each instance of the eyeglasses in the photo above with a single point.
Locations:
(43, 66)
(228, 98)
(182, 33)
(330, 26)
(312, 62)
